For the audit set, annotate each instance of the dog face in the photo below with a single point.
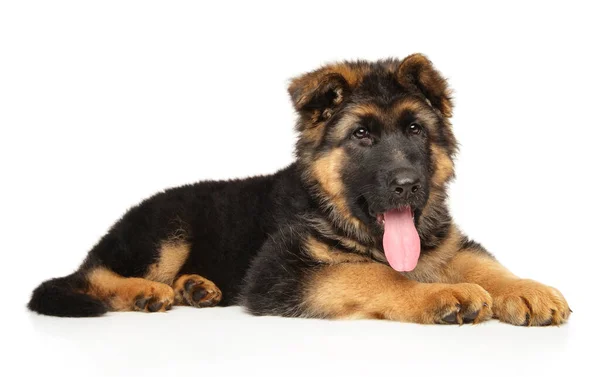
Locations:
(388, 162)
(374, 138)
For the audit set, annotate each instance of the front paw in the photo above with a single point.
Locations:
(456, 304)
(529, 303)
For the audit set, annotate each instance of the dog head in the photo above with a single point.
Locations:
(376, 145)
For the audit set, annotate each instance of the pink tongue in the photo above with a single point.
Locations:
(401, 242)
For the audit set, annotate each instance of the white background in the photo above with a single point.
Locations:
(104, 103)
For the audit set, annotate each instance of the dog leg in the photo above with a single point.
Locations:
(516, 301)
(128, 294)
(373, 290)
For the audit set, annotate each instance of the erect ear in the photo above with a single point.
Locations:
(416, 70)
(318, 95)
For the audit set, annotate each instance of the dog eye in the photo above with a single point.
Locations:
(361, 133)
(415, 128)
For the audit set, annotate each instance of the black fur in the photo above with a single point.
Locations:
(247, 235)
(59, 297)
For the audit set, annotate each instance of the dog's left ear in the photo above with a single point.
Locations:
(417, 71)
(317, 95)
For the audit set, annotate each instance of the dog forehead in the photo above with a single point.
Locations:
(381, 87)
(390, 112)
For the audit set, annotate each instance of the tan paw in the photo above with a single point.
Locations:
(529, 303)
(456, 304)
(155, 297)
(194, 290)
(142, 295)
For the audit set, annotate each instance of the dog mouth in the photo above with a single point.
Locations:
(401, 241)
(380, 217)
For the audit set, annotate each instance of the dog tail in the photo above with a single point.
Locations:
(63, 297)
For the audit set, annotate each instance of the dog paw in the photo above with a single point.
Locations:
(457, 304)
(194, 290)
(529, 303)
(154, 298)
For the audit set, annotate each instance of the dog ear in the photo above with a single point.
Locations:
(317, 95)
(417, 71)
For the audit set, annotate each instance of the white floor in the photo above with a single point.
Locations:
(227, 341)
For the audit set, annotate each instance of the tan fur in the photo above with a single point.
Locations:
(339, 97)
(352, 244)
(374, 290)
(173, 255)
(431, 265)
(323, 227)
(370, 290)
(183, 296)
(444, 167)
(417, 68)
(310, 82)
(326, 171)
(386, 116)
(121, 293)
(517, 301)
(434, 202)
(352, 76)
(326, 254)
(424, 114)
(367, 109)
(314, 134)
(344, 126)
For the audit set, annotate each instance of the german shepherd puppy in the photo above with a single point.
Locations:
(357, 227)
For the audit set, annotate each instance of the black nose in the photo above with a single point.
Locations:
(405, 183)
